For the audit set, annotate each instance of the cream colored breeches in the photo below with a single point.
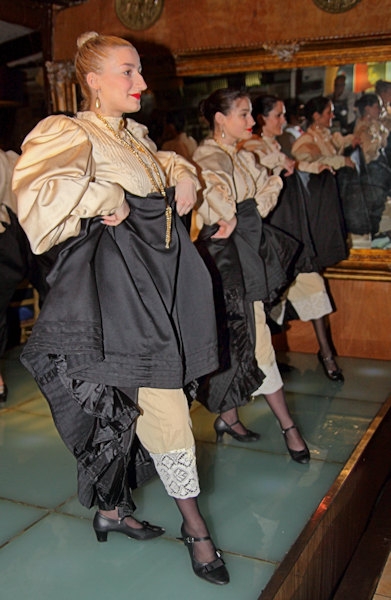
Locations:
(308, 296)
(164, 428)
(264, 353)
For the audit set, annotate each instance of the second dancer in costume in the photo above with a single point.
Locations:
(249, 266)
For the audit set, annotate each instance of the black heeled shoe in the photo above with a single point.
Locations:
(4, 394)
(222, 427)
(300, 456)
(103, 525)
(215, 571)
(333, 374)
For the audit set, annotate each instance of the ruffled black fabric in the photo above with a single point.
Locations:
(267, 254)
(291, 216)
(364, 193)
(325, 217)
(254, 263)
(121, 313)
(238, 375)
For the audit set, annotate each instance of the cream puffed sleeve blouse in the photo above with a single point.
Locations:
(74, 168)
(321, 147)
(230, 176)
(268, 152)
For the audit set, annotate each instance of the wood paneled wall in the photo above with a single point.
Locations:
(188, 27)
(360, 325)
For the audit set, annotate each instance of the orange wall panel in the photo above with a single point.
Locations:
(201, 24)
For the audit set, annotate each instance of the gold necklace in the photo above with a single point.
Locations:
(151, 169)
(242, 168)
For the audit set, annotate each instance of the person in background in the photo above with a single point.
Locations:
(118, 337)
(376, 175)
(307, 294)
(341, 152)
(176, 139)
(318, 146)
(294, 125)
(247, 268)
(383, 91)
(343, 101)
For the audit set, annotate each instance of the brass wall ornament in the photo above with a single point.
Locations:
(284, 52)
(336, 6)
(138, 14)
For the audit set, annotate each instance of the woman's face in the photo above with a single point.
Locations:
(372, 111)
(238, 123)
(325, 118)
(275, 120)
(120, 83)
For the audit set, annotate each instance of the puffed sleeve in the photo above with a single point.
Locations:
(306, 152)
(268, 190)
(272, 160)
(218, 187)
(54, 181)
(340, 141)
(177, 167)
(368, 145)
(267, 187)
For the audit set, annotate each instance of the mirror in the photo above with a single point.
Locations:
(280, 74)
(368, 259)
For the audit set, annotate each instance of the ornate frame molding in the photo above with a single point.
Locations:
(286, 54)
(366, 265)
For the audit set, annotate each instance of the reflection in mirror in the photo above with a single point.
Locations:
(365, 178)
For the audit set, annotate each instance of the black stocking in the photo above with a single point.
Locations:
(195, 526)
(323, 336)
(230, 417)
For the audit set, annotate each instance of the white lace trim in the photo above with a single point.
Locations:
(178, 472)
(272, 381)
(313, 306)
(309, 307)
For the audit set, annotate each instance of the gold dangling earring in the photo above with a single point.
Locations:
(222, 134)
(97, 102)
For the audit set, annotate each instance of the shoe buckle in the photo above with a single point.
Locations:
(188, 539)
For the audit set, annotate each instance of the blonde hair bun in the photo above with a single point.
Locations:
(85, 37)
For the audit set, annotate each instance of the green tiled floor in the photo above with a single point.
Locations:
(255, 498)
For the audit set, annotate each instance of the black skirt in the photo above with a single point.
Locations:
(122, 312)
(254, 263)
(326, 219)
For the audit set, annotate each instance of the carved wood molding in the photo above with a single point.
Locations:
(62, 84)
(293, 54)
(367, 265)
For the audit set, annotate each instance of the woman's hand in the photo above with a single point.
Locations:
(185, 196)
(225, 228)
(326, 168)
(349, 162)
(289, 166)
(356, 142)
(118, 216)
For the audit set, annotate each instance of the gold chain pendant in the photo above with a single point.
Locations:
(150, 170)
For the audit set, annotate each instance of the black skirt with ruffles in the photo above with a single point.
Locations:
(122, 312)
(254, 263)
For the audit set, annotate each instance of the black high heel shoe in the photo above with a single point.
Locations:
(333, 374)
(215, 571)
(103, 525)
(222, 427)
(4, 394)
(300, 456)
